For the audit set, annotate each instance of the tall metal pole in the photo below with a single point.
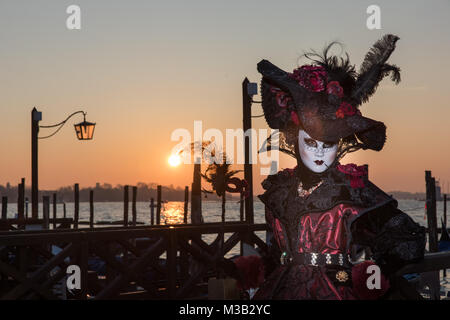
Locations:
(247, 125)
(36, 116)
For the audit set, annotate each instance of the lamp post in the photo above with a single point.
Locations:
(249, 89)
(84, 131)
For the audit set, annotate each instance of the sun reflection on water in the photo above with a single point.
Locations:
(173, 212)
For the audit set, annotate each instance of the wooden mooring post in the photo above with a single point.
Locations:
(196, 194)
(152, 211)
(432, 231)
(76, 214)
(26, 208)
(4, 208)
(54, 210)
(46, 211)
(125, 206)
(21, 199)
(91, 208)
(431, 212)
(133, 206)
(444, 272)
(158, 205)
(445, 209)
(186, 203)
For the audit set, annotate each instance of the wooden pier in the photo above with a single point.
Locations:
(129, 261)
(137, 273)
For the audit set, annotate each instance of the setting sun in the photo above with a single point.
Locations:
(174, 160)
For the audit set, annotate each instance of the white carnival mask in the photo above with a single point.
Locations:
(316, 155)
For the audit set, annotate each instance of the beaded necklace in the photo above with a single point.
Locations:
(306, 192)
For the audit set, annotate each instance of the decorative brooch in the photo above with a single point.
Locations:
(342, 276)
(304, 193)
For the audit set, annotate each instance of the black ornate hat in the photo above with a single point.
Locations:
(323, 98)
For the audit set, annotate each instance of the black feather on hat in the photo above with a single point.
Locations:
(323, 98)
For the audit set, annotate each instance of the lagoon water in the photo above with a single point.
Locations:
(172, 212)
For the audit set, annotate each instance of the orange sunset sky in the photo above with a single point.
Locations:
(142, 69)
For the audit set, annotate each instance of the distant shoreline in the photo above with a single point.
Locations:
(403, 195)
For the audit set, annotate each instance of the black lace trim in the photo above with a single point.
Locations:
(393, 237)
(281, 195)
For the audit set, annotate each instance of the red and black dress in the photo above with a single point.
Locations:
(317, 236)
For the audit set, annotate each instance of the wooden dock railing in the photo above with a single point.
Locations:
(133, 267)
(30, 266)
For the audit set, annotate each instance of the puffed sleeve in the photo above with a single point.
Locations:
(393, 237)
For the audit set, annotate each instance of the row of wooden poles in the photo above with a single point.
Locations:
(23, 216)
(20, 202)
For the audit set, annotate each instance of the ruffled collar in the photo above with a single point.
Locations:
(307, 177)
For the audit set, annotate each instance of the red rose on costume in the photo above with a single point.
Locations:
(359, 280)
(335, 88)
(346, 109)
(251, 270)
(313, 78)
(340, 114)
(355, 173)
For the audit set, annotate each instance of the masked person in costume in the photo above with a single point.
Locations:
(322, 214)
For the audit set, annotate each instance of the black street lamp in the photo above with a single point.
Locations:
(84, 131)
